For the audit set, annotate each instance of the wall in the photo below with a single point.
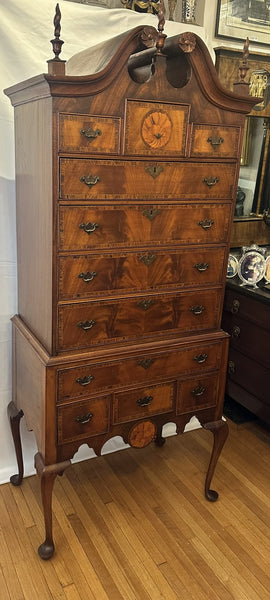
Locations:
(24, 36)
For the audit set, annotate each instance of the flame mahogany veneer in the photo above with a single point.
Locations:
(126, 183)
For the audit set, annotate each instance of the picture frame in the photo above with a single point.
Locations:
(239, 19)
(251, 265)
(232, 267)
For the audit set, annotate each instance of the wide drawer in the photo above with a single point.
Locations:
(215, 141)
(142, 402)
(247, 337)
(98, 322)
(87, 133)
(103, 179)
(248, 307)
(197, 394)
(80, 420)
(85, 276)
(88, 227)
(250, 375)
(82, 381)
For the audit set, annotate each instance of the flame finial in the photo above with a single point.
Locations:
(161, 22)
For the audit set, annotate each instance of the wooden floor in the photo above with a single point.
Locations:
(134, 525)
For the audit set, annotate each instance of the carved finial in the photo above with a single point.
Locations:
(243, 68)
(161, 22)
(56, 42)
(56, 65)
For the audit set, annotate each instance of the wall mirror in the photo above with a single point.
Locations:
(253, 197)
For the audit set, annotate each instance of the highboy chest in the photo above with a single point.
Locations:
(125, 183)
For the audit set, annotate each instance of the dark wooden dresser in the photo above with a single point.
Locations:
(246, 318)
(126, 182)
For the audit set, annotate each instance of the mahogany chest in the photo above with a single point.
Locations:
(126, 182)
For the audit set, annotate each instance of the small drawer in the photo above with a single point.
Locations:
(83, 228)
(142, 402)
(155, 128)
(100, 322)
(83, 277)
(87, 179)
(197, 394)
(87, 133)
(215, 141)
(78, 382)
(81, 420)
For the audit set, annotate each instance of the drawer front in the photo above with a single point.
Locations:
(103, 179)
(215, 141)
(83, 325)
(81, 277)
(142, 402)
(197, 394)
(84, 133)
(247, 307)
(84, 380)
(155, 128)
(250, 375)
(80, 420)
(86, 228)
(247, 337)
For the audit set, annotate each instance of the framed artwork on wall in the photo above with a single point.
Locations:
(239, 19)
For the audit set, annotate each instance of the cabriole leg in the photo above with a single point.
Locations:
(220, 431)
(47, 476)
(15, 418)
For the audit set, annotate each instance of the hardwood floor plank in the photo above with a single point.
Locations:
(135, 525)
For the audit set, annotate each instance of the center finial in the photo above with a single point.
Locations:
(161, 22)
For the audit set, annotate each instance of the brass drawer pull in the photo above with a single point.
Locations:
(83, 419)
(151, 213)
(144, 401)
(200, 358)
(87, 277)
(215, 141)
(86, 325)
(197, 310)
(211, 181)
(148, 259)
(88, 227)
(85, 380)
(90, 180)
(206, 224)
(235, 306)
(145, 363)
(144, 304)
(90, 133)
(201, 267)
(236, 331)
(231, 367)
(198, 391)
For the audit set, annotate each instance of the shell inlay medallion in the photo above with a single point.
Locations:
(156, 129)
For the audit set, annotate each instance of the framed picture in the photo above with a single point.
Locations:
(267, 269)
(232, 266)
(251, 267)
(239, 19)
